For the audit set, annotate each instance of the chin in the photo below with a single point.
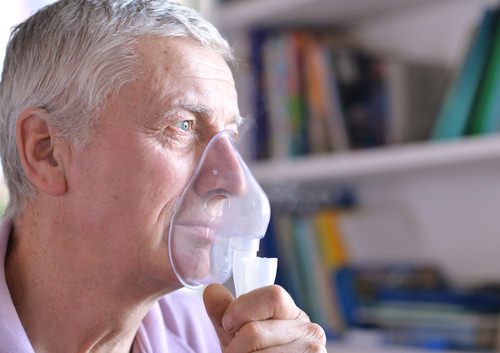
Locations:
(195, 264)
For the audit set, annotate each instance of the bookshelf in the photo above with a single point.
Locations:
(343, 348)
(452, 188)
(245, 14)
(389, 163)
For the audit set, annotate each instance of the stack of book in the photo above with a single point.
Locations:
(316, 91)
(404, 300)
(415, 306)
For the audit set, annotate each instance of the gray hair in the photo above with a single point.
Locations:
(68, 57)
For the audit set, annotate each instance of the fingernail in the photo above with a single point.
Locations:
(227, 324)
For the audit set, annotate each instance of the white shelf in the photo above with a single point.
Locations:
(247, 13)
(387, 162)
(341, 348)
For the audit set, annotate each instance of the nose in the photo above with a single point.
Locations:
(221, 172)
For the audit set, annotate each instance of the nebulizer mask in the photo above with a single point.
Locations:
(218, 221)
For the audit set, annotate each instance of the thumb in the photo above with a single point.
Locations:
(217, 299)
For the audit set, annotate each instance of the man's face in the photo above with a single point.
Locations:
(122, 188)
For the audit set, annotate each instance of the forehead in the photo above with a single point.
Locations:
(178, 72)
(170, 63)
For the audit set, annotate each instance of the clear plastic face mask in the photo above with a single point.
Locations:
(222, 211)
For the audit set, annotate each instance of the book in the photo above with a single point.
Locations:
(485, 117)
(303, 274)
(326, 127)
(330, 239)
(262, 135)
(455, 113)
(333, 256)
(287, 260)
(335, 120)
(415, 95)
(282, 89)
(269, 247)
(275, 80)
(428, 325)
(315, 93)
(296, 102)
(361, 82)
(312, 275)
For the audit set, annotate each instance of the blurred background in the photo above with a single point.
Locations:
(375, 135)
(373, 128)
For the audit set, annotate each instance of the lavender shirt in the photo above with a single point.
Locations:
(177, 323)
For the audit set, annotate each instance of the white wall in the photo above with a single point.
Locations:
(12, 13)
(437, 31)
(460, 223)
(458, 212)
(452, 219)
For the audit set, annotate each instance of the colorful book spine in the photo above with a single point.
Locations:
(287, 260)
(315, 95)
(276, 70)
(330, 243)
(326, 126)
(261, 145)
(307, 260)
(335, 121)
(296, 101)
(456, 110)
(485, 117)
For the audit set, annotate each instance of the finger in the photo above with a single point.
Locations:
(257, 336)
(310, 347)
(271, 302)
(217, 299)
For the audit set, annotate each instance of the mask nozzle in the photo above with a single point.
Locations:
(246, 247)
(249, 271)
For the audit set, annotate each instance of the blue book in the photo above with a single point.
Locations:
(269, 247)
(261, 138)
(307, 258)
(287, 264)
(344, 284)
(453, 117)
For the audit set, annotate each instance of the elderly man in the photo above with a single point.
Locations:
(106, 107)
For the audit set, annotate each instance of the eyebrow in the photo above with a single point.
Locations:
(202, 111)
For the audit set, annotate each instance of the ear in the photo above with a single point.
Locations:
(41, 152)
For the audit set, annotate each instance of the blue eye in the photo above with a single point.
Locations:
(185, 125)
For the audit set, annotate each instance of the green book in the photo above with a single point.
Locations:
(454, 115)
(485, 117)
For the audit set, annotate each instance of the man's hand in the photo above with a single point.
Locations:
(265, 320)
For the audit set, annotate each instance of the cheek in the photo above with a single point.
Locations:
(149, 188)
(125, 187)
(163, 185)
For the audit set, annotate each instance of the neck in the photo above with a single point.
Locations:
(67, 305)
